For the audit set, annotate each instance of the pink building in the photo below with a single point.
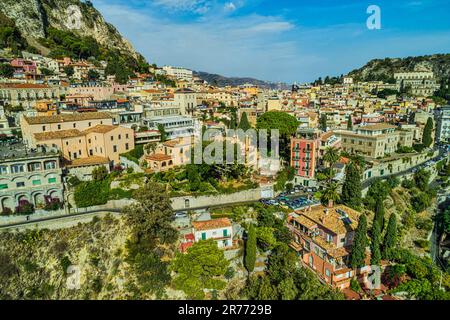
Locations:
(24, 67)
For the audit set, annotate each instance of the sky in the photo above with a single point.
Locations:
(283, 40)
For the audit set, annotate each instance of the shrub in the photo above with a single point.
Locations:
(24, 208)
(7, 212)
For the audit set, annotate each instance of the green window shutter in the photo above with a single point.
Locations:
(3, 186)
(203, 235)
(36, 182)
(51, 180)
(225, 233)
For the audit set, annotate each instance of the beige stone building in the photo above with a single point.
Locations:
(375, 140)
(80, 136)
(26, 95)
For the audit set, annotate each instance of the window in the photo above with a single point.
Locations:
(114, 148)
(225, 233)
(126, 146)
(74, 125)
(3, 186)
(20, 184)
(51, 180)
(112, 138)
(17, 168)
(3, 169)
(203, 235)
(43, 128)
(327, 272)
(59, 127)
(120, 137)
(126, 136)
(36, 182)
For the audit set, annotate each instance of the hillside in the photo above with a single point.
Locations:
(222, 81)
(384, 69)
(46, 26)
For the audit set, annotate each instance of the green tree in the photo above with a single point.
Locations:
(349, 123)
(162, 131)
(330, 195)
(267, 291)
(390, 238)
(6, 70)
(375, 257)
(351, 189)
(421, 179)
(323, 122)
(287, 289)
(360, 242)
(427, 138)
(250, 249)
(69, 71)
(93, 75)
(244, 124)
(200, 268)
(99, 174)
(379, 213)
(331, 156)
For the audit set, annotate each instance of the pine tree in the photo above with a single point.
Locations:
(358, 254)
(427, 140)
(244, 124)
(351, 189)
(349, 123)
(375, 257)
(379, 213)
(390, 238)
(250, 249)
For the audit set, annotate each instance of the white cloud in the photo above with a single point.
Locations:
(197, 6)
(229, 6)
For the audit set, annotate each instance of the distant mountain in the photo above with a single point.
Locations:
(384, 69)
(221, 81)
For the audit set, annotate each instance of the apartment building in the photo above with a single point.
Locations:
(178, 72)
(30, 175)
(420, 83)
(323, 237)
(174, 126)
(376, 140)
(304, 154)
(442, 119)
(27, 95)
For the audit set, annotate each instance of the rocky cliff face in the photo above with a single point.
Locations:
(34, 17)
(384, 69)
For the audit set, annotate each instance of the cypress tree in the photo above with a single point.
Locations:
(379, 213)
(349, 123)
(323, 122)
(351, 189)
(390, 238)
(244, 124)
(358, 254)
(250, 249)
(375, 257)
(427, 140)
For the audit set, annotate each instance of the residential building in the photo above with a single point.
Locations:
(442, 119)
(323, 237)
(376, 140)
(304, 154)
(29, 175)
(178, 72)
(220, 230)
(26, 95)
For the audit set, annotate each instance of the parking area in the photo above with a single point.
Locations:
(294, 203)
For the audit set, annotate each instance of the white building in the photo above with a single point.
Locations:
(442, 118)
(178, 72)
(220, 230)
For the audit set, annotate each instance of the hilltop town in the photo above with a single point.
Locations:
(100, 196)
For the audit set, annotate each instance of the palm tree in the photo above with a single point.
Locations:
(331, 156)
(330, 195)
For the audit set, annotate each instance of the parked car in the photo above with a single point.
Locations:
(180, 214)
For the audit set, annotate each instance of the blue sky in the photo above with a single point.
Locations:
(283, 40)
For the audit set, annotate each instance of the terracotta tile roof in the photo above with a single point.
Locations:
(211, 224)
(68, 117)
(62, 134)
(171, 143)
(159, 157)
(101, 128)
(90, 161)
(331, 219)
